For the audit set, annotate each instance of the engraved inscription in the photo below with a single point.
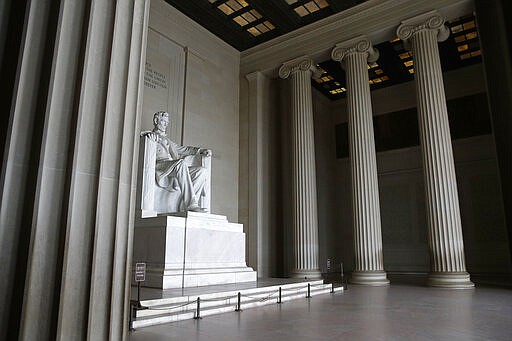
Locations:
(154, 79)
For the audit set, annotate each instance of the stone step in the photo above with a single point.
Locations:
(182, 308)
(154, 317)
(162, 302)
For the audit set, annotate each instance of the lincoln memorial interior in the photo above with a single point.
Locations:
(363, 143)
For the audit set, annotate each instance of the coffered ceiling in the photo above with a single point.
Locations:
(247, 23)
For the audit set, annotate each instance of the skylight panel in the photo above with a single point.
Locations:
(264, 27)
(376, 74)
(465, 36)
(305, 8)
(241, 13)
(337, 91)
(226, 9)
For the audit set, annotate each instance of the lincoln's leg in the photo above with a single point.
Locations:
(187, 187)
(198, 177)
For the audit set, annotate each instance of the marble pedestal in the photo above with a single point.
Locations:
(191, 249)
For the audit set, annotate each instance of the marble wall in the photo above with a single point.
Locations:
(262, 156)
(204, 76)
(164, 83)
(325, 150)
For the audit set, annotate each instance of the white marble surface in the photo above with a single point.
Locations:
(448, 265)
(354, 56)
(191, 249)
(303, 167)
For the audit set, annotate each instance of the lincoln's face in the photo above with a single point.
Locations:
(162, 123)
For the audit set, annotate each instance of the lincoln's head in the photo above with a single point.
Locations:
(161, 121)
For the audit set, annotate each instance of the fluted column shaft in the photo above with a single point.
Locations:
(369, 266)
(304, 200)
(448, 267)
(69, 172)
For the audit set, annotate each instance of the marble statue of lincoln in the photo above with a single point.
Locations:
(171, 165)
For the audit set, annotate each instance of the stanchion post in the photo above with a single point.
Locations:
(343, 284)
(198, 309)
(309, 291)
(332, 288)
(140, 276)
(132, 315)
(279, 298)
(138, 295)
(239, 304)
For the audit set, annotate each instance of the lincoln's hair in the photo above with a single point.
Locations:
(159, 115)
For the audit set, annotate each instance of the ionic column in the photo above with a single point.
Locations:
(304, 201)
(448, 267)
(354, 56)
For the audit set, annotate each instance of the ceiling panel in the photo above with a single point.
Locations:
(247, 23)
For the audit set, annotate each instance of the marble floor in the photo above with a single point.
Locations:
(406, 311)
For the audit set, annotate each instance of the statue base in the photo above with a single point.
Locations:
(190, 249)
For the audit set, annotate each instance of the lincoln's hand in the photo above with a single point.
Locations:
(205, 152)
(153, 136)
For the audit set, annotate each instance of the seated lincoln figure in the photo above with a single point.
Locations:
(172, 172)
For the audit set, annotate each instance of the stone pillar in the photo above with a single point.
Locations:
(115, 209)
(304, 202)
(19, 176)
(448, 268)
(68, 173)
(354, 56)
(260, 246)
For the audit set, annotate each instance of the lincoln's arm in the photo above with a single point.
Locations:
(186, 150)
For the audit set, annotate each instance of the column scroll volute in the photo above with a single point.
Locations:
(304, 63)
(360, 44)
(428, 21)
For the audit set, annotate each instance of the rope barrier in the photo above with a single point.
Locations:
(295, 289)
(239, 301)
(218, 299)
(169, 308)
(262, 298)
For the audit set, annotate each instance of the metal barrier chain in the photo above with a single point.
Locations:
(218, 299)
(262, 298)
(169, 308)
(296, 289)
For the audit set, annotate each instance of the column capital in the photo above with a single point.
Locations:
(427, 21)
(304, 63)
(360, 44)
(252, 76)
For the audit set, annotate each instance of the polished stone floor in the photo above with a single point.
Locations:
(398, 312)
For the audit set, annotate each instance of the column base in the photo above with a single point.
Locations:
(306, 274)
(450, 280)
(373, 278)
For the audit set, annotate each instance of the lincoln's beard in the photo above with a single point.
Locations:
(160, 128)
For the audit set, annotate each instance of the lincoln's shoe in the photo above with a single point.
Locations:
(196, 208)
